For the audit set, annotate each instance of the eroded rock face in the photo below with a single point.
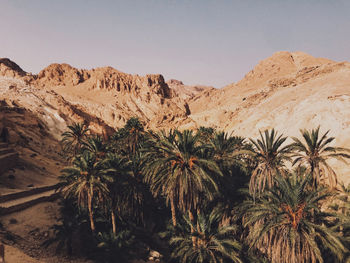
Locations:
(185, 92)
(9, 68)
(60, 75)
(106, 78)
(105, 95)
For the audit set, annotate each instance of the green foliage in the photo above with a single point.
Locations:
(86, 181)
(115, 246)
(175, 168)
(288, 225)
(315, 152)
(214, 242)
(73, 139)
(123, 186)
(271, 157)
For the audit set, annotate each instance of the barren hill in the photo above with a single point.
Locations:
(287, 91)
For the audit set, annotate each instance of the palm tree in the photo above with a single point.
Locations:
(288, 225)
(205, 133)
(96, 146)
(271, 157)
(226, 148)
(86, 181)
(176, 169)
(73, 139)
(127, 191)
(315, 152)
(119, 169)
(215, 243)
(134, 132)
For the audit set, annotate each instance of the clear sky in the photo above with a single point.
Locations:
(196, 41)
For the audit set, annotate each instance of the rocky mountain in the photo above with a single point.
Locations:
(186, 92)
(288, 91)
(36, 109)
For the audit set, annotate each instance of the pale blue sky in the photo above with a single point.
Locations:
(198, 42)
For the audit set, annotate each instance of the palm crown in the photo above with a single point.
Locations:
(271, 157)
(315, 152)
(175, 169)
(288, 225)
(73, 139)
(214, 243)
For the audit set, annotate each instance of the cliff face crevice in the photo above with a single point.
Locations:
(106, 78)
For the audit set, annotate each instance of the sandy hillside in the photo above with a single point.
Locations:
(288, 92)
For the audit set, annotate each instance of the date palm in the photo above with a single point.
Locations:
(118, 168)
(205, 133)
(73, 139)
(176, 169)
(287, 225)
(86, 181)
(215, 243)
(315, 152)
(95, 145)
(226, 148)
(271, 157)
(134, 133)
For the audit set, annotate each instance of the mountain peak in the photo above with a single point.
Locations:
(9, 68)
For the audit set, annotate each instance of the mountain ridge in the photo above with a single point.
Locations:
(287, 91)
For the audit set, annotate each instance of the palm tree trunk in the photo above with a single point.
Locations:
(194, 239)
(114, 227)
(92, 223)
(173, 212)
(313, 175)
(198, 228)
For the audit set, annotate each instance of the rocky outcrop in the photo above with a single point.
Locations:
(106, 78)
(9, 68)
(185, 92)
(60, 75)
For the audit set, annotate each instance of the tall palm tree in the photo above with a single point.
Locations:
(119, 169)
(287, 224)
(176, 169)
(134, 132)
(73, 139)
(86, 181)
(315, 152)
(215, 243)
(135, 191)
(271, 157)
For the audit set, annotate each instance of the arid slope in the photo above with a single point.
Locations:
(288, 92)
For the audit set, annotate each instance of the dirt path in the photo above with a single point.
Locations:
(14, 255)
(24, 199)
